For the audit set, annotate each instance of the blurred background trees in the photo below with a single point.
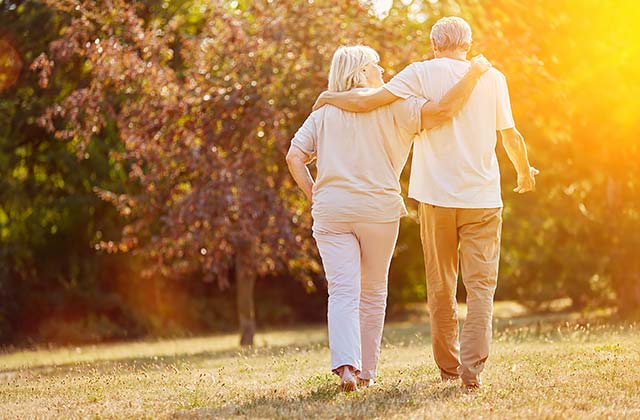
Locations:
(142, 157)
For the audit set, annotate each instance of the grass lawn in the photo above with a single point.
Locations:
(540, 367)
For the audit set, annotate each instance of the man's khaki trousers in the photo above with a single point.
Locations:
(470, 239)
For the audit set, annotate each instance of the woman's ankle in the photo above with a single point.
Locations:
(346, 369)
(348, 381)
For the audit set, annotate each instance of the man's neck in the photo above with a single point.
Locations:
(454, 55)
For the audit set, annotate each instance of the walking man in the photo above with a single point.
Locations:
(456, 179)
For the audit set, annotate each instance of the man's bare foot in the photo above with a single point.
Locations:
(347, 380)
(365, 383)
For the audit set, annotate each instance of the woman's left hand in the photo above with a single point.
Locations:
(320, 102)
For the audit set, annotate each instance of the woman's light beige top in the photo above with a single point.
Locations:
(360, 157)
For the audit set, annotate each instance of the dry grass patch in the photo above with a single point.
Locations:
(539, 368)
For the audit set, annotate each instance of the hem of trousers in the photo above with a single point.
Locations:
(367, 375)
(355, 366)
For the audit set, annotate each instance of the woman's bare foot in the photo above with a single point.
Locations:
(347, 380)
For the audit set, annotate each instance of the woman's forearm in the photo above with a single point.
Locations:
(304, 180)
(297, 163)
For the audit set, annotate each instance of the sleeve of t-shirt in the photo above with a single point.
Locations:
(504, 117)
(406, 83)
(306, 137)
(407, 115)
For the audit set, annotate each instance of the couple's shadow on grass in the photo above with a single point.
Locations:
(325, 400)
(400, 336)
(178, 360)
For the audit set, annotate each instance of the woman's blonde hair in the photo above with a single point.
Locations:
(347, 64)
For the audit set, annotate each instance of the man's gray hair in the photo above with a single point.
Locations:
(451, 33)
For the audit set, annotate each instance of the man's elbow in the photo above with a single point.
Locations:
(360, 105)
(512, 137)
(443, 112)
(430, 121)
(436, 118)
(447, 113)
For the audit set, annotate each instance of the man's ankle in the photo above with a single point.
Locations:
(448, 377)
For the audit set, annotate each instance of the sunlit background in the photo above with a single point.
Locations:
(141, 148)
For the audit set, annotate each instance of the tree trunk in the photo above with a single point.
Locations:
(245, 283)
(625, 268)
(626, 279)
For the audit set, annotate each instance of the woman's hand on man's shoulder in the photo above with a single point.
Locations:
(321, 101)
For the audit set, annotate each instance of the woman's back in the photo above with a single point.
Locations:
(360, 158)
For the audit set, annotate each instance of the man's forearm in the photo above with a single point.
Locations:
(435, 114)
(348, 101)
(357, 100)
(516, 149)
(457, 96)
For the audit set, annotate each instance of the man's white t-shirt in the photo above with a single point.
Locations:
(455, 165)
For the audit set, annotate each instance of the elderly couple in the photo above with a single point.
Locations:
(361, 132)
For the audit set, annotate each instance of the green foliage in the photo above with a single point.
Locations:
(124, 114)
(48, 212)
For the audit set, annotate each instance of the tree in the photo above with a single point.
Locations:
(179, 113)
(204, 101)
(48, 211)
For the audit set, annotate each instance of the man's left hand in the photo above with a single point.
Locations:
(480, 64)
(527, 181)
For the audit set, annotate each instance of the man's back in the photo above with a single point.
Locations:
(455, 165)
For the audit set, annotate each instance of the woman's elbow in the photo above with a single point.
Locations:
(291, 157)
(296, 157)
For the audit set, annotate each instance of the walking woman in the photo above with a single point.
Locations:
(356, 201)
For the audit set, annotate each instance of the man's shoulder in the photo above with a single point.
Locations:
(495, 74)
(425, 64)
(436, 66)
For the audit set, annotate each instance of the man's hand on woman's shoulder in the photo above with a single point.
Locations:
(480, 64)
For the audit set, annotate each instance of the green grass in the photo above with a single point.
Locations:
(540, 367)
